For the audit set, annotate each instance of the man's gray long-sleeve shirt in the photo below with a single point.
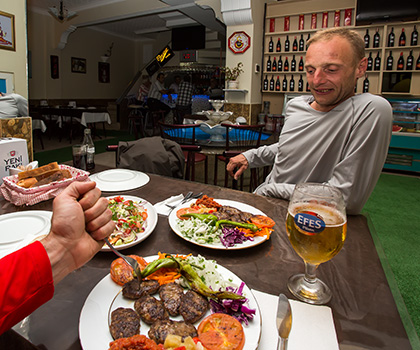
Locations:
(345, 147)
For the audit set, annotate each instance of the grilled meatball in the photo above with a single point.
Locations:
(150, 309)
(134, 290)
(233, 214)
(124, 323)
(193, 306)
(160, 329)
(171, 294)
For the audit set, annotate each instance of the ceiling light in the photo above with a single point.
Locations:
(61, 14)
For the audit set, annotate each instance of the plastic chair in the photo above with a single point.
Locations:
(184, 134)
(239, 138)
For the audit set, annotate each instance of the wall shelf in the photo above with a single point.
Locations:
(236, 90)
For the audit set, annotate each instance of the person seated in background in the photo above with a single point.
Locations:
(155, 95)
(214, 92)
(81, 221)
(333, 136)
(184, 100)
(144, 89)
(174, 87)
(13, 105)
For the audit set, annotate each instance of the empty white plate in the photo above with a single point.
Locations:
(114, 180)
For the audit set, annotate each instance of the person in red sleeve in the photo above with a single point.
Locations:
(81, 220)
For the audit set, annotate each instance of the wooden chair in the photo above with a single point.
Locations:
(239, 138)
(184, 134)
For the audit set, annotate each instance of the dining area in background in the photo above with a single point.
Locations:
(362, 312)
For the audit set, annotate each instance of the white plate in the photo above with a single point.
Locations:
(119, 180)
(22, 226)
(152, 219)
(93, 324)
(241, 206)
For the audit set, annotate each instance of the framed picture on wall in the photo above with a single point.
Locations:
(78, 65)
(103, 72)
(7, 31)
(54, 67)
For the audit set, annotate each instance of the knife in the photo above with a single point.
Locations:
(283, 321)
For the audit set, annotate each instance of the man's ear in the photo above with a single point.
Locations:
(361, 68)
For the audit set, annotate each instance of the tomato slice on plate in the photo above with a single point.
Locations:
(186, 210)
(262, 221)
(121, 273)
(221, 332)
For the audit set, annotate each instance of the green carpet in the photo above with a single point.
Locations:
(394, 209)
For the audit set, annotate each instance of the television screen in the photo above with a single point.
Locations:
(189, 38)
(369, 11)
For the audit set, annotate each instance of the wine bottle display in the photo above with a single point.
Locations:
(367, 38)
(377, 65)
(265, 83)
(269, 64)
(301, 43)
(292, 84)
(293, 64)
(414, 36)
(278, 84)
(369, 62)
(300, 83)
(376, 39)
(278, 46)
(301, 65)
(366, 84)
(274, 65)
(284, 84)
(400, 63)
(272, 84)
(410, 61)
(389, 61)
(418, 63)
(391, 38)
(307, 39)
(295, 45)
(401, 42)
(279, 64)
(287, 44)
(286, 65)
(271, 45)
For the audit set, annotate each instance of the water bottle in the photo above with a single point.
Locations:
(90, 149)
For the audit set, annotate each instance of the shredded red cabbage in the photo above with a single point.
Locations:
(236, 308)
(232, 235)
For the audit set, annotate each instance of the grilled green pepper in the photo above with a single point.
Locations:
(210, 218)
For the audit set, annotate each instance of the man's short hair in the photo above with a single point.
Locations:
(159, 75)
(354, 39)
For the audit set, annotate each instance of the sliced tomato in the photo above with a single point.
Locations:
(262, 221)
(186, 210)
(121, 273)
(221, 332)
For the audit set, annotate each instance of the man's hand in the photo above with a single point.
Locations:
(81, 220)
(238, 162)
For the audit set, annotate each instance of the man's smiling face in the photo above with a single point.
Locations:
(332, 72)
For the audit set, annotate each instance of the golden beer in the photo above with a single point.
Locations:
(329, 229)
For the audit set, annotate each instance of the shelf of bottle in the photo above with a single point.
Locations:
(285, 92)
(373, 48)
(406, 112)
(236, 90)
(407, 47)
(401, 71)
(294, 32)
(373, 71)
(285, 53)
(283, 72)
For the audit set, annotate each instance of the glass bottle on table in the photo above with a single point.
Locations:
(90, 149)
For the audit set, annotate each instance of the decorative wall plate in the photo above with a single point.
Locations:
(239, 42)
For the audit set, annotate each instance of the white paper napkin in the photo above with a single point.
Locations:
(163, 209)
(312, 325)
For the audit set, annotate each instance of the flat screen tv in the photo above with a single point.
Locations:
(188, 38)
(370, 11)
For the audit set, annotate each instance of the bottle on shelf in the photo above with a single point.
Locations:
(410, 61)
(401, 42)
(270, 45)
(301, 65)
(300, 83)
(286, 65)
(272, 83)
(307, 87)
(293, 64)
(376, 39)
(370, 62)
(295, 45)
(278, 84)
(279, 64)
(400, 62)
(366, 84)
(278, 46)
(292, 84)
(301, 43)
(367, 38)
(287, 44)
(391, 38)
(265, 83)
(414, 36)
(284, 84)
(274, 65)
(377, 64)
(389, 61)
(90, 149)
(307, 39)
(269, 64)
(418, 63)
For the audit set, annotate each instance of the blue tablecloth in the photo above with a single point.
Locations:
(201, 135)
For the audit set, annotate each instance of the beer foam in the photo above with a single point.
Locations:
(330, 215)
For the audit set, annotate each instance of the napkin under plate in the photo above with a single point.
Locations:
(163, 209)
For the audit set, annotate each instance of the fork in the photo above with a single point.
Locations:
(129, 260)
(185, 200)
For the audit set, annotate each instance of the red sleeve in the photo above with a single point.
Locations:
(26, 283)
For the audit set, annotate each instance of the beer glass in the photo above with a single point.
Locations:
(316, 224)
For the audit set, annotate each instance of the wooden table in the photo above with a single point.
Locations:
(364, 310)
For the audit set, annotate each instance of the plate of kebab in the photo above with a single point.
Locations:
(182, 300)
(221, 223)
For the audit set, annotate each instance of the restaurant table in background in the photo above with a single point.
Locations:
(364, 310)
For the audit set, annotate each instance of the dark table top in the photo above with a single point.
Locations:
(364, 310)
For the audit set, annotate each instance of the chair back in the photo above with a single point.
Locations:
(242, 137)
(183, 134)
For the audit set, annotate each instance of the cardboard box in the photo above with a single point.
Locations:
(13, 152)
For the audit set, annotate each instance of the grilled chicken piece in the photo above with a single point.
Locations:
(160, 329)
(124, 323)
(193, 306)
(171, 294)
(134, 290)
(150, 309)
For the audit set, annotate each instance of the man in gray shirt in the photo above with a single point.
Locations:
(334, 136)
(13, 105)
